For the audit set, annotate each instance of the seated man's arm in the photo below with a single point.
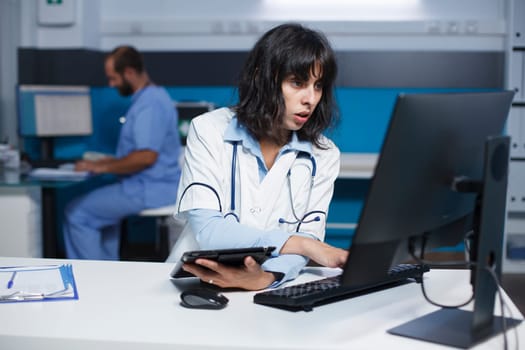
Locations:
(131, 163)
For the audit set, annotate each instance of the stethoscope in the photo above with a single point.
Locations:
(296, 219)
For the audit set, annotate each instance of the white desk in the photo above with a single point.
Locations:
(133, 305)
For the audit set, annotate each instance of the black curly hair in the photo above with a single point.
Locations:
(286, 50)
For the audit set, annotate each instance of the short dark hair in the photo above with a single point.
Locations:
(126, 56)
(288, 49)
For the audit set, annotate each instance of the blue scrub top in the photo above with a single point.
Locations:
(152, 124)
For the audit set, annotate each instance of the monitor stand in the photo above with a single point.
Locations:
(452, 327)
(461, 328)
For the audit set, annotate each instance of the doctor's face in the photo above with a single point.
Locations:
(300, 99)
(116, 79)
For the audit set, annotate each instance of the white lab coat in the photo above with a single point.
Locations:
(208, 160)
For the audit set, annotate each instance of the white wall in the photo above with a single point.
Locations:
(83, 32)
(235, 24)
(475, 25)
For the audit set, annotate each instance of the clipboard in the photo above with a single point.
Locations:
(37, 283)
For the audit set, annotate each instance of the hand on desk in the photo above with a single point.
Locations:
(132, 163)
(318, 251)
(94, 167)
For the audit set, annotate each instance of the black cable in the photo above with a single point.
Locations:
(433, 264)
(423, 290)
(492, 273)
(516, 336)
(468, 264)
(503, 306)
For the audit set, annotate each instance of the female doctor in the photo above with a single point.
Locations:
(262, 173)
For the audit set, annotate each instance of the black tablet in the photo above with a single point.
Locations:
(234, 256)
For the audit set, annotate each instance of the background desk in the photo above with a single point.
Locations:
(39, 212)
(28, 212)
(29, 208)
(133, 305)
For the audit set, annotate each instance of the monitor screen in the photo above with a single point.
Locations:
(187, 110)
(432, 140)
(49, 111)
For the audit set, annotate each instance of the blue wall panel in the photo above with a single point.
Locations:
(365, 114)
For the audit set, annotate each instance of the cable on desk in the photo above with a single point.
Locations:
(503, 306)
(467, 264)
(441, 264)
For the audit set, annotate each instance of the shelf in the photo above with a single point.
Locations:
(514, 240)
(357, 165)
(515, 247)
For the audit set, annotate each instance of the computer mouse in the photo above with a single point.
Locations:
(202, 298)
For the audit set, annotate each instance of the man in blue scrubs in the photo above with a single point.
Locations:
(147, 163)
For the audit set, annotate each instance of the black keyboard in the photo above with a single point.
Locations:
(307, 295)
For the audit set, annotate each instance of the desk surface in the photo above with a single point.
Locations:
(133, 305)
(16, 178)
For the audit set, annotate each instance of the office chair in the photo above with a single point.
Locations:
(162, 239)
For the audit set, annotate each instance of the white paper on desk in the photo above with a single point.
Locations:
(58, 174)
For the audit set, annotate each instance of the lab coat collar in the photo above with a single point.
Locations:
(238, 133)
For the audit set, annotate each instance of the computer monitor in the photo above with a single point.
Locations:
(49, 111)
(427, 184)
(187, 110)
